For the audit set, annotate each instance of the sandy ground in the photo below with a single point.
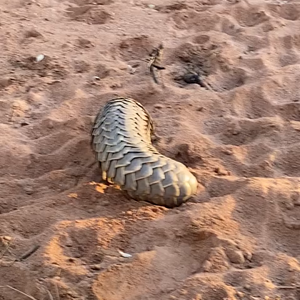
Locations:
(239, 238)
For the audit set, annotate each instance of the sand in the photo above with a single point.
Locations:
(238, 238)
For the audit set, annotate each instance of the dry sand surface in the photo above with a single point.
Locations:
(238, 238)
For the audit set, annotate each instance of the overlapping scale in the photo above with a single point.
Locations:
(121, 138)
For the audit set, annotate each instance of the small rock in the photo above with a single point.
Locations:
(235, 256)
(7, 238)
(221, 171)
(69, 242)
(40, 57)
(248, 255)
(131, 70)
(96, 267)
(206, 266)
(57, 278)
(32, 34)
(28, 190)
(191, 78)
(84, 43)
(71, 259)
(158, 106)
(116, 85)
(125, 255)
(227, 151)
(151, 6)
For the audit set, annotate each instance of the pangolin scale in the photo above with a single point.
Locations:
(121, 139)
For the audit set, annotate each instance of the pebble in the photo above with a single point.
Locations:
(206, 266)
(131, 70)
(158, 106)
(32, 33)
(28, 190)
(227, 151)
(248, 255)
(247, 287)
(235, 256)
(191, 78)
(69, 242)
(40, 57)
(71, 259)
(221, 171)
(96, 267)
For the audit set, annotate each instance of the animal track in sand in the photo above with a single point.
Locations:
(78, 149)
(239, 237)
(250, 16)
(152, 245)
(136, 48)
(277, 230)
(202, 21)
(288, 11)
(89, 14)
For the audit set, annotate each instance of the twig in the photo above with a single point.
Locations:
(29, 253)
(20, 292)
(288, 287)
(155, 62)
(26, 254)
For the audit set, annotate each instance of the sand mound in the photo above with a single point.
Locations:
(239, 238)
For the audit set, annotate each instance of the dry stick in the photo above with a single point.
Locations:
(14, 289)
(155, 62)
(26, 254)
(288, 287)
(29, 253)
(152, 72)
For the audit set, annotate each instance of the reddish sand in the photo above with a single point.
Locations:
(239, 238)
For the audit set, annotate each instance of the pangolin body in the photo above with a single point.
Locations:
(121, 139)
